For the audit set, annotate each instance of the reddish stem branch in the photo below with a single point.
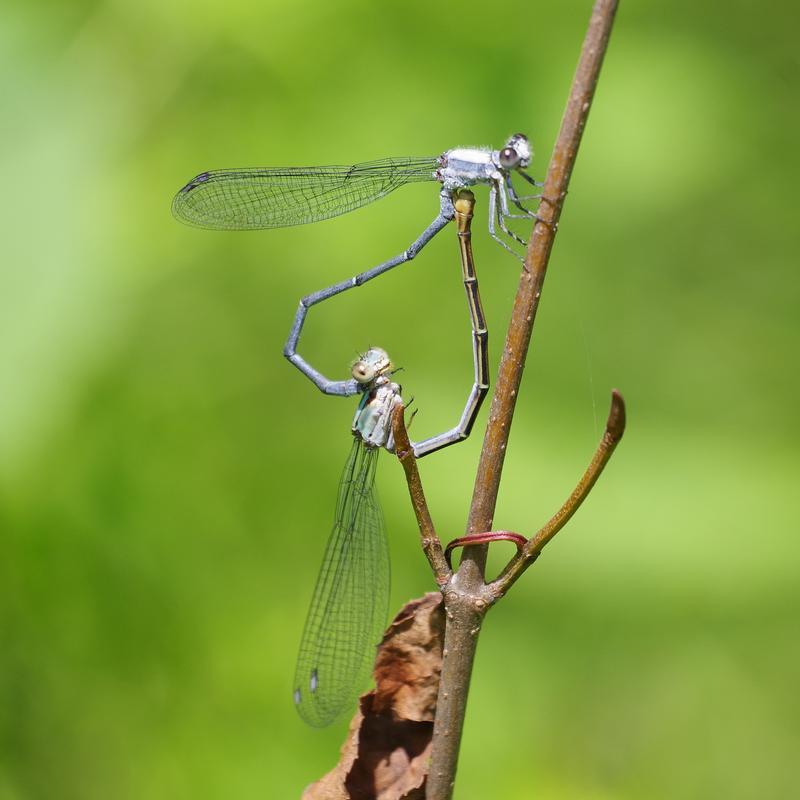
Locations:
(484, 538)
(466, 596)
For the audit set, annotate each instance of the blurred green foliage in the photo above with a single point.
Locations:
(167, 479)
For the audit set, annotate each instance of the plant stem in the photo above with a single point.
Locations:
(466, 599)
(615, 427)
(431, 545)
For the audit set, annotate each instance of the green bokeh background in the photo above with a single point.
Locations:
(167, 479)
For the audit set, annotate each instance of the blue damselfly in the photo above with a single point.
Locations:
(350, 601)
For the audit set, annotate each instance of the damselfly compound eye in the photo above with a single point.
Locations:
(373, 363)
(508, 157)
(363, 372)
(522, 147)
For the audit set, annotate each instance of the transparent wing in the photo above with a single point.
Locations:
(348, 610)
(242, 199)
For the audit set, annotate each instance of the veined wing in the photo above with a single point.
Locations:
(348, 610)
(243, 199)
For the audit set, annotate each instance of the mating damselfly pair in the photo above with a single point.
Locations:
(350, 601)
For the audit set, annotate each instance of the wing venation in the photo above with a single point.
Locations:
(348, 610)
(246, 199)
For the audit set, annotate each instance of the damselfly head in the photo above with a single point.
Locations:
(373, 363)
(517, 153)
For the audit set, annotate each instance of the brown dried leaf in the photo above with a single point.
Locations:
(409, 661)
(331, 786)
(385, 755)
